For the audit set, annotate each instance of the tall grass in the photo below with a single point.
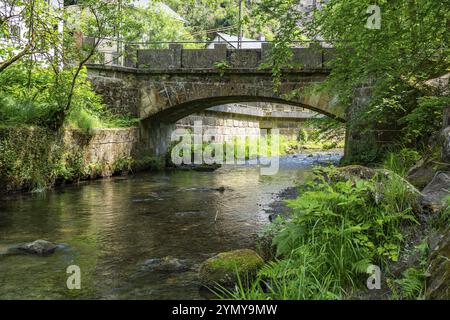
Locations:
(400, 161)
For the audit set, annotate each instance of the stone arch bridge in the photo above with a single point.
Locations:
(161, 86)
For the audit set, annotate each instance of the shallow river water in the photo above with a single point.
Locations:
(110, 227)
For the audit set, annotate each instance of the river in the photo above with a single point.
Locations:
(110, 227)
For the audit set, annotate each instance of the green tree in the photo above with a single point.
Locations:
(150, 24)
(409, 48)
(207, 16)
(38, 18)
(61, 51)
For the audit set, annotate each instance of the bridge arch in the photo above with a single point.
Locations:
(173, 96)
(173, 113)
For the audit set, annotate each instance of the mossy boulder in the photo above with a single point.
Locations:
(424, 171)
(357, 172)
(435, 193)
(352, 171)
(438, 283)
(224, 268)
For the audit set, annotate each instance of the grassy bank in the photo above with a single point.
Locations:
(344, 221)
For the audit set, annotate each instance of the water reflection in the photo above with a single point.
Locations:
(111, 227)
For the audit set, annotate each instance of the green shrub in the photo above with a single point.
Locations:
(29, 158)
(423, 121)
(412, 283)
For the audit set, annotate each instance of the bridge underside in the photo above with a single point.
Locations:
(180, 111)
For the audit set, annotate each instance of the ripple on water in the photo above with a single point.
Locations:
(112, 226)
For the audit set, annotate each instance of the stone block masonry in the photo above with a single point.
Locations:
(105, 148)
(176, 57)
(228, 125)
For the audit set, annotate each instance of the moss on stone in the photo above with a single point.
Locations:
(225, 268)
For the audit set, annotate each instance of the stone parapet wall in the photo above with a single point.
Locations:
(176, 57)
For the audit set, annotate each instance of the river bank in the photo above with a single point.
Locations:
(35, 158)
(410, 249)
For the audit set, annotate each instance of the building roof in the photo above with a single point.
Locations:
(233, 41)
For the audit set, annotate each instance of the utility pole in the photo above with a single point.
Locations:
(240, 26)
(120, 51)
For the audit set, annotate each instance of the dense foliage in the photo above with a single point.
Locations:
(150, 24)
(396, 60)
(208, 16)
(42, 69)
(337, 229)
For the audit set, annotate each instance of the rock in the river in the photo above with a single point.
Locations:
(436, 192)
(223, 268)
(167, 264)
(38, 247)
(438, 282)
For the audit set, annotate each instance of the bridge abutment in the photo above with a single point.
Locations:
(155, 137)
(366, 142)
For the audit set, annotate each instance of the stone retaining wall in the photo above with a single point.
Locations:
(105, 146)
(35, 158)
(228, 125)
